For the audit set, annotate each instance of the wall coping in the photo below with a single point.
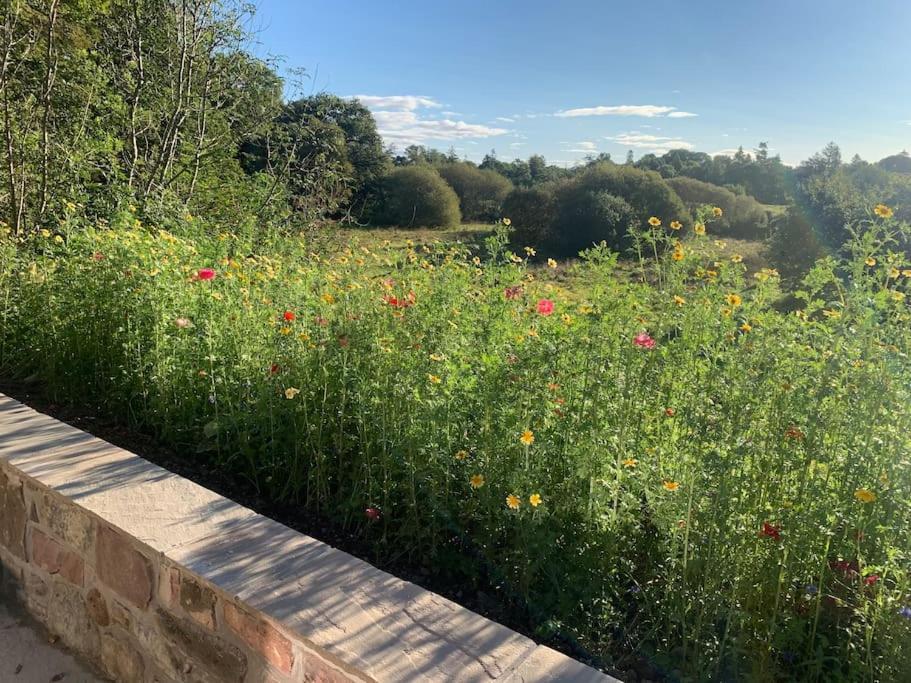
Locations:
(370, 624)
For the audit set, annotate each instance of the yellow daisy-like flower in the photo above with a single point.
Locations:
(527, 438)
(894, 273)
(437, 357)
(654, 221)
(551, 263)
(461, 455)
(746, 327)
(513, 502)
(865, 495)
(676, 225)
(291, 392)
(679, 300)
(476, 481)
(906, 272)
(721, 244)
(285, 331)
(882, 211)
(898, 296)
(530, 251)
(678, 254)
(670, 485)
(630, 462)
(737, 258)
(733, 300)
(870, 261)
(717, 212)
(699, 228)
(535, 500)
(433, 379)
(507, 222)
(328, 298)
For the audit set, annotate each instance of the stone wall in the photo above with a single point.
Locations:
(153, 578)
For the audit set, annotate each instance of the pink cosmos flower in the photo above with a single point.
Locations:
(205, 274)
(644, 341)
(545, 307)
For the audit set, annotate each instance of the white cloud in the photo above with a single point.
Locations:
(681, 115)
(584, 147)
(516, 144)
(401, 124)
(645, 110)
(450, 113)
(729, 152)
(505, 119)
(398, 102)
(656, 144)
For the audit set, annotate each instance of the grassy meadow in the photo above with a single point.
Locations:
(646, 456)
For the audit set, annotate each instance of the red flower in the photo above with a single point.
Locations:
(871, 579)
(670, 412)
(289, 316)
(404, 302)
(644, 341)
(545, 307)
(373, 514)
(513, 292)
(205, 274)
(770, 531)
(275, 368)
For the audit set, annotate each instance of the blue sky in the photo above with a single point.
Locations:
(567, 78)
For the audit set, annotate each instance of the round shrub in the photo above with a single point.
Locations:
(743, 216)
(481, 192)
(532, 212)
(414, 196)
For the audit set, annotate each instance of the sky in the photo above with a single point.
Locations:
(571, 78)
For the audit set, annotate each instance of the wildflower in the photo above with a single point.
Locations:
(905, 612)
(717, 212)
(865, 495)
(882, 211)
(670, 412)
(679, 300)
(545, 307)
(794, 433)
(676, 225)
(906, 272)
(733, 300)
(644, 341)
(433, 379)
(746, 327)
(291, 392)
(551, 263)
(670, 485)
(699, 228)
(288, 316)
(513, 292)
(831, 314)
(898, 296)
(328, 298)
(871, 579)
(654, 222)
(507, 222)
(513, 502)
(274, 369)
(373, 514)
(182, 323)
(461, 455)
(811, 589)
(737, 258)
(870, 261)
(530, 251)
(476, 481)
(527, 438)
(437, 357)
(678, 253)
(894, 273)
(770, 531)
(630, 462)
(205, 274)
(535, 500)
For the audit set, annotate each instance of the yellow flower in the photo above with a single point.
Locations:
(530, 251)
(328, 298)
(894, 273)
(670, 485)
(507, 222)
(433, 379)
(831, 314)
(906, 272)
(865, 495)
(746, 327)
(461, 455)
(534, 500)
(678, 254)
(630, 462)
(721, 244)
(736, 258)
(882, 211)
(285, 330)
(476, 481)
(699, 228)
(733, 300)
(551, 263)
(513, 502)
(291, 392)
(654, 222)
(870, 261)
(676, 225)
(527, 438)
(679, 300)
(717, 212)
(898, 296)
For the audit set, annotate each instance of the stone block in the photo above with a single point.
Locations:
(190, 653)
(198, 600)
(123, 568)
(12, 515)
(260, 636)
(97, 607)
(120, 659)
(68, 618)
(56, 559)
(64, 520)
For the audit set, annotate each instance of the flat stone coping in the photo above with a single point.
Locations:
(382, 627)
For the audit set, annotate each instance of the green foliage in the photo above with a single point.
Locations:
(794, 246)
(743, 217)
(481, 192)
(413, 196)
(532, 212)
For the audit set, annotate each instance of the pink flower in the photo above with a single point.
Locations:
(545, 307)
(205, 274)
(870, 580)
(644, 341)
(373, 514)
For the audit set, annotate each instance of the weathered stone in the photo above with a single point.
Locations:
(97, 607)
(66, 521)
(120, 616)
(198, 600)
(123, 568)
(168, 586)
(192, 653)
(544, 664)
(37, 593)
(261, 636)
(54, 558)
(12, 516)
(120, 660)
(68, 618)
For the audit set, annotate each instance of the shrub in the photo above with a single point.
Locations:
(413, 196)
(481, 192)
(743, 217)
(794, 246)
(532, 212)
(604, 200)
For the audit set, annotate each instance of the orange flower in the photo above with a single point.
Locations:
(513, 502)
(476, 481)
(535, 500)
(527, 438)
(670, 485)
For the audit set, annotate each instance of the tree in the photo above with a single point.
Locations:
(416, 195)
(897, 163)
(480, 191)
